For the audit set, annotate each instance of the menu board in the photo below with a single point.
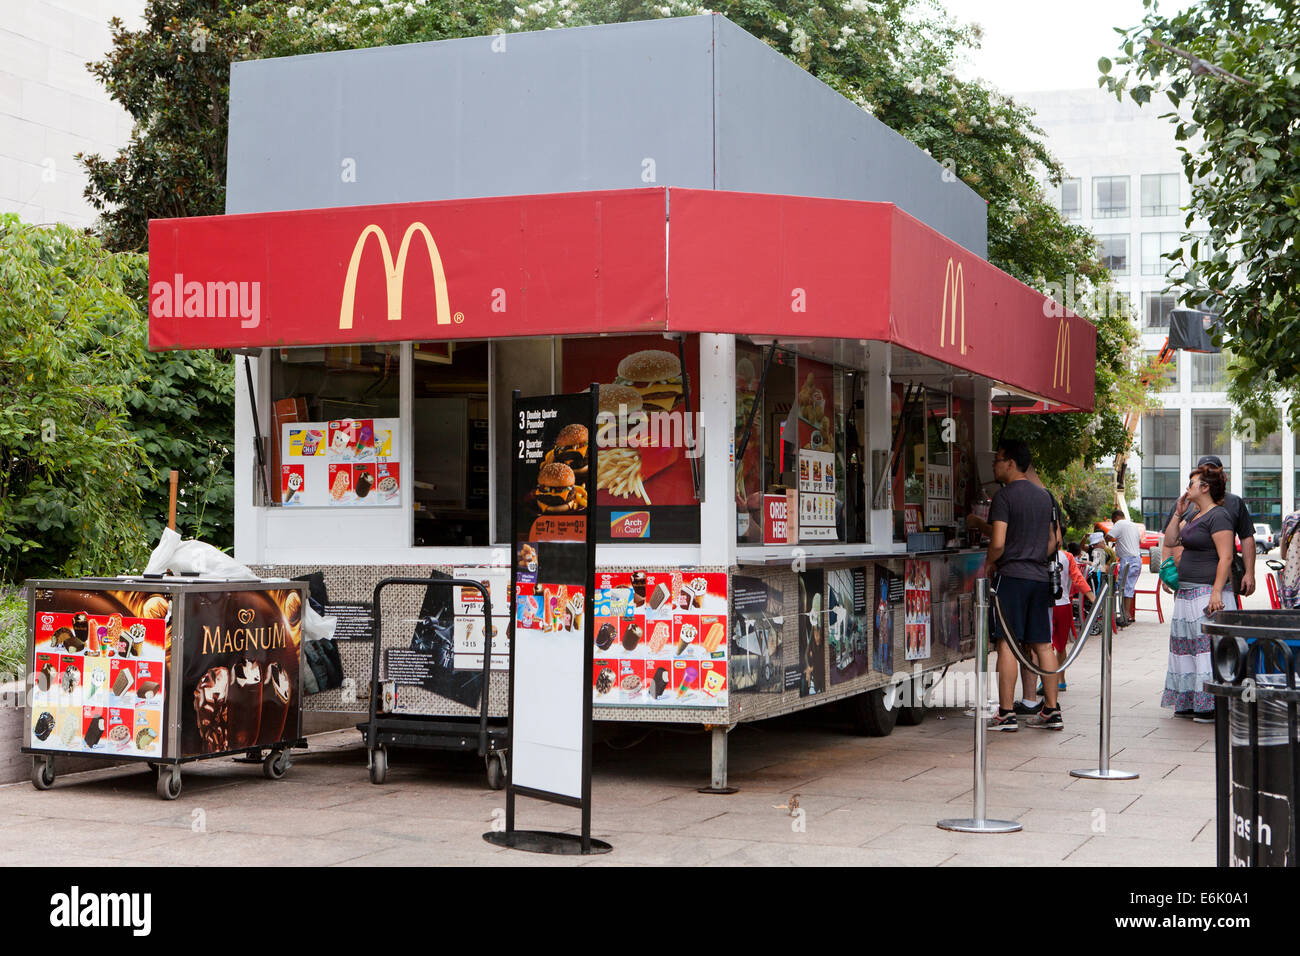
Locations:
(938, 494)
(660, 638)
(348, 462)
(468, 619)
(814, 406)
(550, 715)
(650, 441)
(98, 684)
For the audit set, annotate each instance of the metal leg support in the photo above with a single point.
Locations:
(718, 740)
(1103, 769)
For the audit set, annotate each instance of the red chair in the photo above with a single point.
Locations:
(1274, 597)
(1158, 609)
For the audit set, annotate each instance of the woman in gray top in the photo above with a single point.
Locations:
(1204, 567)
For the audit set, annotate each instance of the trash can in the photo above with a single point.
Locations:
(1256, 735)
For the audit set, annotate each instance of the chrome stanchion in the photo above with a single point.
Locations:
(1103, 769)
(977, 823)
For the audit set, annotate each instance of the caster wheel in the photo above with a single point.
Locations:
(379, 766)
(42, 773)
(496, 770)
(169, 783)
(276, 764)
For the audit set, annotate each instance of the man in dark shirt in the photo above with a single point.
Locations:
(1023, 535)
(1243, 527)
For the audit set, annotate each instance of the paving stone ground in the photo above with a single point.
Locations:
(865, 801)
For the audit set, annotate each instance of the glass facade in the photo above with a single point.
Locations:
(1262, 479)
(1161, 480)
(1072, 198)
(1155, 310)
(1168, 373)
(1155, 245)
(1207, 371)
(1114, 253)
(1210, 435)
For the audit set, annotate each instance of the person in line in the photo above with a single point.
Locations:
(1204, 585)
(1063, 612)
(1128, 548)
(1021, 539)
(1243, 526)
(1288, 578)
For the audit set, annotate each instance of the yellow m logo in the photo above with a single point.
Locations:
(395, 274)
(1061, 358)
(954, 305)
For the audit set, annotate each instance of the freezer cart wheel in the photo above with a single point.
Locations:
(276, 764)
(42, 772)
(378, 765)
(169, 782)
(496, 770)
(871, 717)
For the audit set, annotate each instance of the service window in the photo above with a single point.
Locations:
(451, 458)
(651, 465)
(334, 434)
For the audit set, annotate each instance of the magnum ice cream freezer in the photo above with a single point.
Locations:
(163, 670)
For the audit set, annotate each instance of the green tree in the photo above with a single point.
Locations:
(69, 498)
(1228, 68)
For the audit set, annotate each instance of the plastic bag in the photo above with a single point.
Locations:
(173, 554)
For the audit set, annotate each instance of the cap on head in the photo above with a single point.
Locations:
(1095, 538)
(1209, 460)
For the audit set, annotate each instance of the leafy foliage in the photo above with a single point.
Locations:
(1229, 70)
(91, 419)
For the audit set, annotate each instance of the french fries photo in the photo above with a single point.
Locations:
(620, 474)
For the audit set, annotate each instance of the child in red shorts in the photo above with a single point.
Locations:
(1063, 611)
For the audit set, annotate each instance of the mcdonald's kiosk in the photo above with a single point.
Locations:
(816, 386)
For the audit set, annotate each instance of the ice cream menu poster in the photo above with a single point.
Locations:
(98, 685)
(660, 638)
(938, 494)
(348, 462)
(468, 624)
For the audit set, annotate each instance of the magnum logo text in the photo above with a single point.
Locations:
(395, 274)
(953, 306)
(223, 640)
(1061, 357)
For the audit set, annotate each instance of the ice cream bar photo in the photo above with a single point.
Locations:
(659, 596)
(211, 703)
(631, 637)
(245, 713)
(123, 682)
(148, 690)
(94, 731)
(275, 702)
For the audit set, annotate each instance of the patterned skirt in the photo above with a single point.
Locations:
(1189, 650)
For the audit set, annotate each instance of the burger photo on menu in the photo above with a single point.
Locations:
(571, 449)
(656, 376)
(557, 490)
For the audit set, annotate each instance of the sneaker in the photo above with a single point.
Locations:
(1047, 720)
(1203, 717)
(1020, 707)
(1005, 720)
(1189, 714)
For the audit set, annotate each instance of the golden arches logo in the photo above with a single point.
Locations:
(395, 274)
(1061, 357)
(954, 306)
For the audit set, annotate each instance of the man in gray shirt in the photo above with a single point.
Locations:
(1022, 538)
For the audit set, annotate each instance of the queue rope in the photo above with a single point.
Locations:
(1013, 641)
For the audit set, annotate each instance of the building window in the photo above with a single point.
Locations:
(1156, 308)
(1207, 371)
(1109, 197)
(1165, 376)
(1262, 479)
(1114, 253)
(1161, 481)
(1210, 434)
(1156, 245)
(1072, 198)
(1160, 195)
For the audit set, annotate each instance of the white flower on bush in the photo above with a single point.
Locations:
(915, 85)
(782, 27)
(515, 24)
(799, 40)
(293, 12)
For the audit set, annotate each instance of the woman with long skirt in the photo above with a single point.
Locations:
(1202, 529)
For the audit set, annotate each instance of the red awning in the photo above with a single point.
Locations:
(582, 263)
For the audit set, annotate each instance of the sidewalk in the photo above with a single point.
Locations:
(864, 801)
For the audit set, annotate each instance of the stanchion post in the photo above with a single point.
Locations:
(1103, 769)
(978, 823)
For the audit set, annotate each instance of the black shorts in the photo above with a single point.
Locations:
(1027, 606)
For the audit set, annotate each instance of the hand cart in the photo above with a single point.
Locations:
(402, 730)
